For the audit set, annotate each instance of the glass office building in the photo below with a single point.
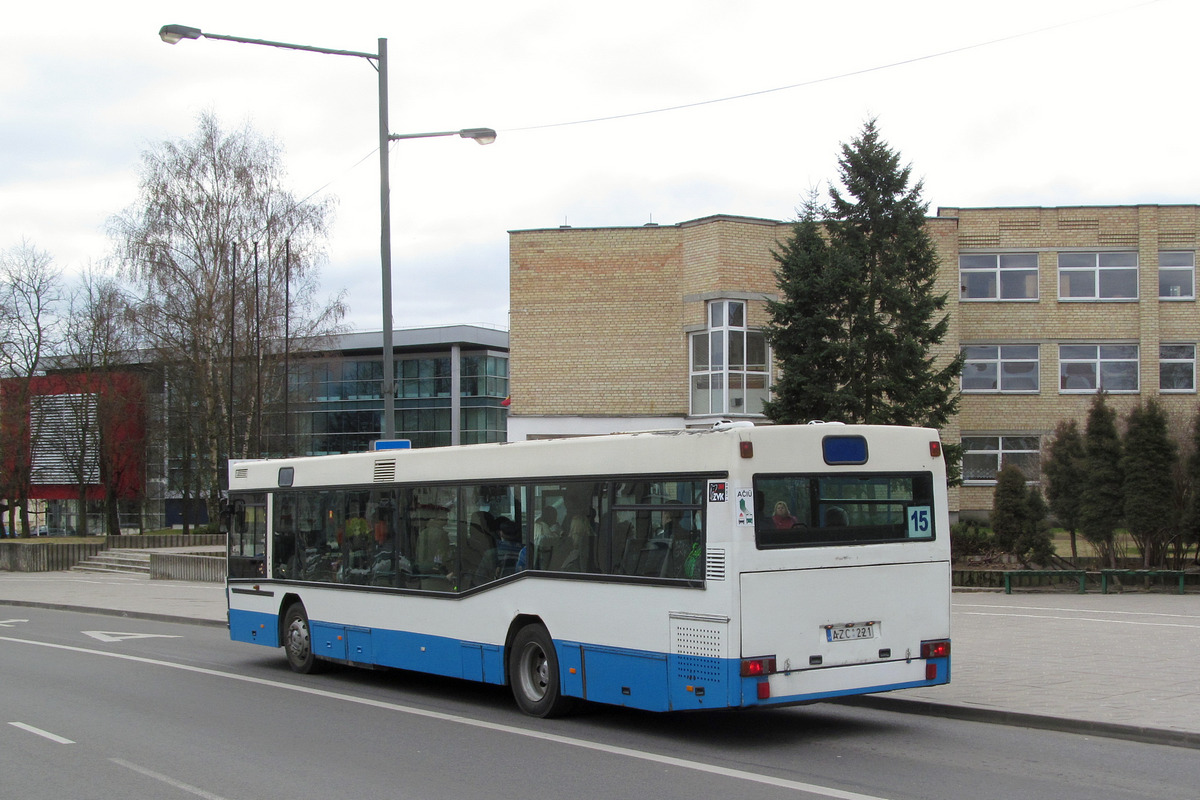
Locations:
(451, 383)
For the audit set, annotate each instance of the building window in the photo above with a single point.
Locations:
(729, 363)
(1177, 275)
(484, 376)
(998, 276)
(1000, 368)
(423, 377)
(1177, 368)
(983, 456)
(1097, 276)
(1088, 368)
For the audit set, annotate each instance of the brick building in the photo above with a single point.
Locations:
(659, 326)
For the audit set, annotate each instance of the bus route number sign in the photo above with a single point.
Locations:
(920, 522)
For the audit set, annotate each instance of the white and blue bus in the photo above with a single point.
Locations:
(737, 566)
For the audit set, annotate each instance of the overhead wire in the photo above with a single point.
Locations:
(788, 87)
(839, 76)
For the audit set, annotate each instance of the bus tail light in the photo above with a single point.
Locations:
(758, 667)
(764, 690)
(935, 449)
(936, 649)
(746, 449)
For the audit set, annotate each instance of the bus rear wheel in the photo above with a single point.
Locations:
(297, 641)
(534, 675)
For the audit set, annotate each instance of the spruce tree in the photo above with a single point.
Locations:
(1010, 508)
(1065, 478)
(1191, 520)
(1103, 496)
(1036, 545)
(858, 317)
(809, 339)
(1148, 462)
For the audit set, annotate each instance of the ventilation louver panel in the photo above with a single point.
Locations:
(714, 564)
(385, 470)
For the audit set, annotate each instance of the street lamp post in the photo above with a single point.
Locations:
(173, 34)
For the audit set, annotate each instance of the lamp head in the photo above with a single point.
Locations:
(481, 135)
(171, 34)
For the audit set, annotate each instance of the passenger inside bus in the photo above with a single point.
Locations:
(435, 562)
(474, 546)
(502, 559)
(545, 537)
(783, 519)
(836, 517)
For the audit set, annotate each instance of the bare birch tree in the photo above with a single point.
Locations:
(30, 292)
(212, 311)
(100, 347)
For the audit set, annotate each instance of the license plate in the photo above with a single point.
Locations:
(849, 633)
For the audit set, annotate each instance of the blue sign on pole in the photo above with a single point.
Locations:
(391, 444)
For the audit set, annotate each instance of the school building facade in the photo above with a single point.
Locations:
(660, 326)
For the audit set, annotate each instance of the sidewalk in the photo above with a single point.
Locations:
(120, 595)
(1123, 665)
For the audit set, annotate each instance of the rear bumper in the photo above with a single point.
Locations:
(807, 686)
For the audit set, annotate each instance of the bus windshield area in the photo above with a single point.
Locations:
(843, 508)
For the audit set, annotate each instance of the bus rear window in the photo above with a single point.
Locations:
(842, 508)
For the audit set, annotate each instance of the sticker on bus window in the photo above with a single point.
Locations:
(920, 522)
(716, 493)
(745, 507)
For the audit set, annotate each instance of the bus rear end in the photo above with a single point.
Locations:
(846, 588)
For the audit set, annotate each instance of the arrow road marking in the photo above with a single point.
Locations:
(8, 623)
(116, 636)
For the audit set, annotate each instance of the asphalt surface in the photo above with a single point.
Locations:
(1116, 665)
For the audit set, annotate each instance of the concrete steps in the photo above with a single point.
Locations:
(123, 561)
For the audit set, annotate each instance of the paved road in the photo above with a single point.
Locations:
(101, 707)
(1117, 665)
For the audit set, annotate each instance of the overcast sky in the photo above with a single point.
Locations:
(1045, 102)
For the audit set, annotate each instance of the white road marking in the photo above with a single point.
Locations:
(158, 776)
(54, 737)
(570, 741)
(1080, 610)
(1084, 619)
(8, 623)
(117, 636)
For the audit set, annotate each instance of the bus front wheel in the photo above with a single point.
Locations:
(533, 673)
(297, 641)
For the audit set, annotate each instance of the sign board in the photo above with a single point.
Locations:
(391, 444)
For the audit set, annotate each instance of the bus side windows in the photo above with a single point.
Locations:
(284, 537)
(569, 527)
(248, 536)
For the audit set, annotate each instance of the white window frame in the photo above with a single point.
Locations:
(1183, 270)
(717, 385)
(1100, 271)
(1180, 356)
(997, 357)
(1006, 448)
(1105, 358)
(974, 265)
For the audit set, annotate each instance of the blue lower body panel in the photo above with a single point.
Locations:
(617, 676)
(254, 627)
